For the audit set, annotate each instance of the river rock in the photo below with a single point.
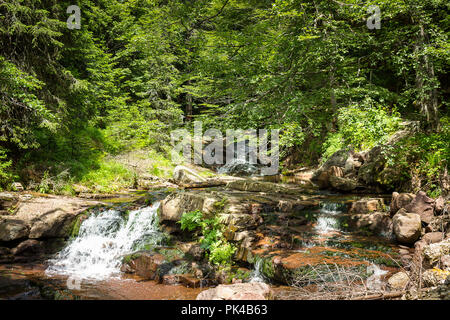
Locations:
(407, 226)
(378, 222)
(28, 248)
(400, 200)
(12, 229)
(184, 175)
(398, 281)
(342, 184)
(147, 265)
(423, 206)
(238, 291)
(367, 205)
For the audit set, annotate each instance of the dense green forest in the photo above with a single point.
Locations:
(73, 100)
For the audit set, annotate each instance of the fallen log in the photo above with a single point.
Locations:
(381, 296)
(203, 184)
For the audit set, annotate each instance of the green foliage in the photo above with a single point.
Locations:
(5, 175)
(212, 239)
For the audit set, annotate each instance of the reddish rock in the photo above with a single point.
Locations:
(144, 264)
(367, 205)
(423, 206)
(433, 237)
(439, 205)
(400, 200)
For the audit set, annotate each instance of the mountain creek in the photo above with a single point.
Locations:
(299, 241)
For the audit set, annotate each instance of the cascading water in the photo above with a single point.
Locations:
(327, 220)
(104, 238)
(257, 275)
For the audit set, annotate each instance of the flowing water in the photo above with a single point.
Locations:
(103, 239)
(328, 217)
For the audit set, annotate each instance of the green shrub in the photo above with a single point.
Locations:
(219, 250)
(363, 127)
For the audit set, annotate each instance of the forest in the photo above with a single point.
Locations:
(74, 99)
(355, 95)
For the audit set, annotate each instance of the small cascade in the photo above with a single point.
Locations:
(104, 238)
(327, 220)
(257, 275)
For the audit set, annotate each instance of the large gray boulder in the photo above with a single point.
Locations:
(238, 291)
(407, 226)
(184, 175)
(342, 184)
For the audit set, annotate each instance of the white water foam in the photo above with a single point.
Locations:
(103, 240)
(327, 220)
(257, 275)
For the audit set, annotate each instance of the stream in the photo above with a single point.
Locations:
(88, 267)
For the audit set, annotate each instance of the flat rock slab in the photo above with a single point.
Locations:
(42, 217)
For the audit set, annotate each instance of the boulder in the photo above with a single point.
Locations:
(433, 237)
(174, 205)
(352, 165)
(56, 224)
(423, 206)
(407, 226)
(147, 265)
(238, 291)
(398, 281)
(184, 175)
(342, 184)
(377, 222)
(367, 205)
(400, 200)
(28, 248)
(439, 205)
(12, 229)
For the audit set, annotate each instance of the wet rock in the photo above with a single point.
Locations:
(147, 265)
(12, 229)
(342, 184)
(434, 277)
(398, 281)
(182, 174)
(423, 206)
(28, 248)
(56, 224)
(367, 205)
(407, 226)
(400, 200)
(257, 186)
(238, 291)
(377, 222)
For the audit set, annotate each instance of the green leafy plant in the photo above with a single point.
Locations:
(219, 250)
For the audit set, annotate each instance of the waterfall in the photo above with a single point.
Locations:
(103, 240)
(257, 275)
(327, 220)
